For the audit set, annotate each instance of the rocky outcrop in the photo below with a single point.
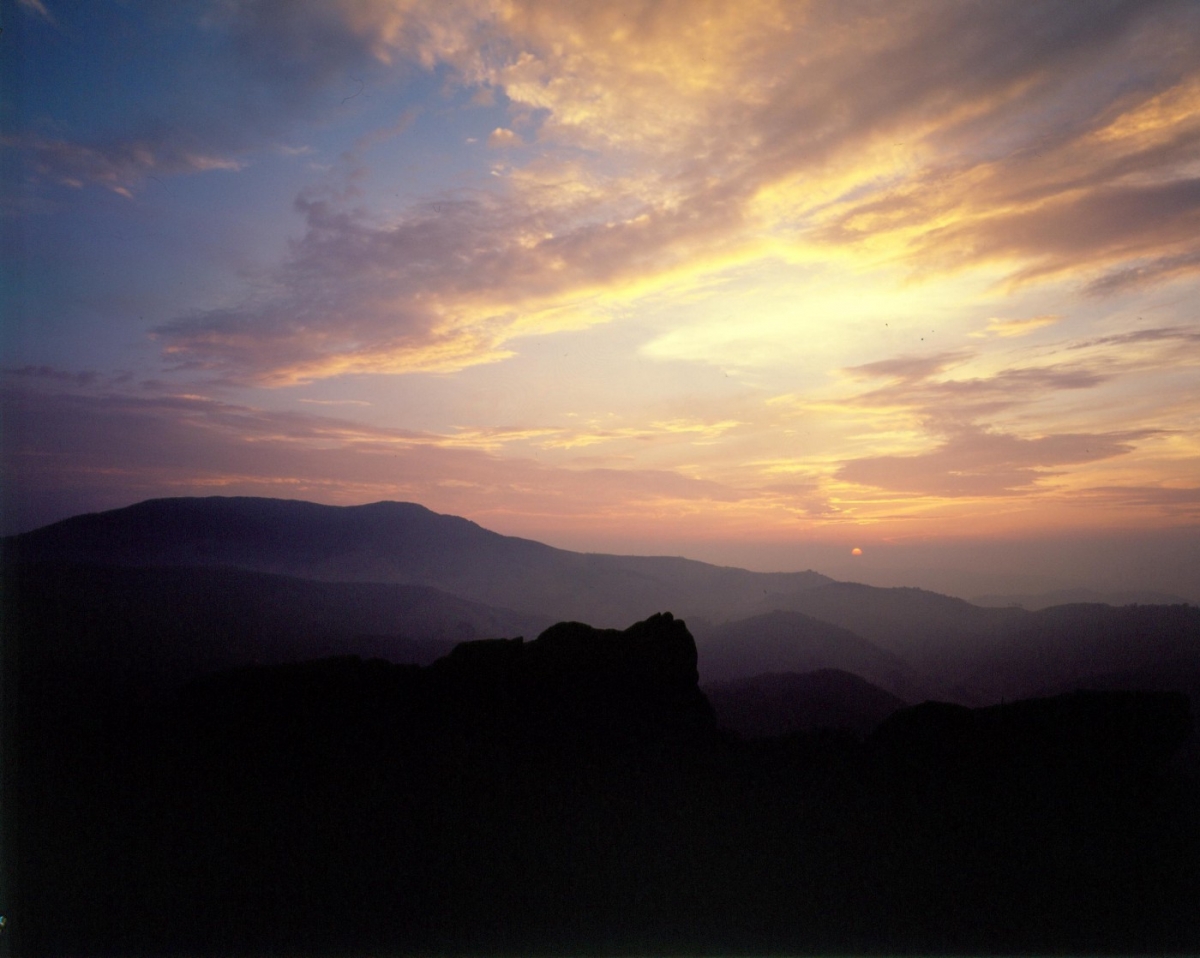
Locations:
(577, 686)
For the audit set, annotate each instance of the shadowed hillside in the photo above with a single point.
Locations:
(779, 704)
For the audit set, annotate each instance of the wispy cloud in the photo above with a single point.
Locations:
(121, 165)
(957, 433)
(447, 286)
(109, 446)
(1144, 273)
(1020, 327)
(335, 402)
(38, 8)
(973, 462)
(947, 402)
(1182, 502)
(939, 137)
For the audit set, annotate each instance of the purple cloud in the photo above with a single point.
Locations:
(975, 462)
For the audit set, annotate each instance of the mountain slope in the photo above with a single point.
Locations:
(782, 641)
(942, 639)
(403, 542)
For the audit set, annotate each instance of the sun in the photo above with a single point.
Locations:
(856, 551)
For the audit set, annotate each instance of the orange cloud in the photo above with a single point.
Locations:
(501, 137)
(1020, 327)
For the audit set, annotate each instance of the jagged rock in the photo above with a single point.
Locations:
(576, 684)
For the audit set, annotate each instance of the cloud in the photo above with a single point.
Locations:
(39, 8)
(1180, 502)
(1143, 274)
(119, 165)
(1171, 336)
(1020, 327)
(360, 297)
(501, 137)
(908, 368)
(1104, 225)
(695, 432)
(952, 434)
(1041, 137)
(446, 286)
(240, 77)
(44, 372)
(977, 463)
(335, 402)
(68, 451)
(952, 403)
(669, 140)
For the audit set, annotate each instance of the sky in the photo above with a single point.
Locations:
(758, 283)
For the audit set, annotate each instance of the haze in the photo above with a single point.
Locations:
(754, 283)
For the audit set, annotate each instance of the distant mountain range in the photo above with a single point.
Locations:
(404, 542)
(277, 580)
(1044, 600)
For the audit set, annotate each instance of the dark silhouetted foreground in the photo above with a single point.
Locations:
(573, 795)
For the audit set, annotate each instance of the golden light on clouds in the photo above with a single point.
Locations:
(765, 269)
(1020, 327)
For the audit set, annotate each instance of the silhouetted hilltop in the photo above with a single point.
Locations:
(383, 541)
(779, 704)
(791, 642)
(401, 542)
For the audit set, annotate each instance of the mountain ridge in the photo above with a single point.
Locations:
(404, 542)
(939, 646)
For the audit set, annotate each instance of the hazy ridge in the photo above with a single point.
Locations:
(917, 644)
